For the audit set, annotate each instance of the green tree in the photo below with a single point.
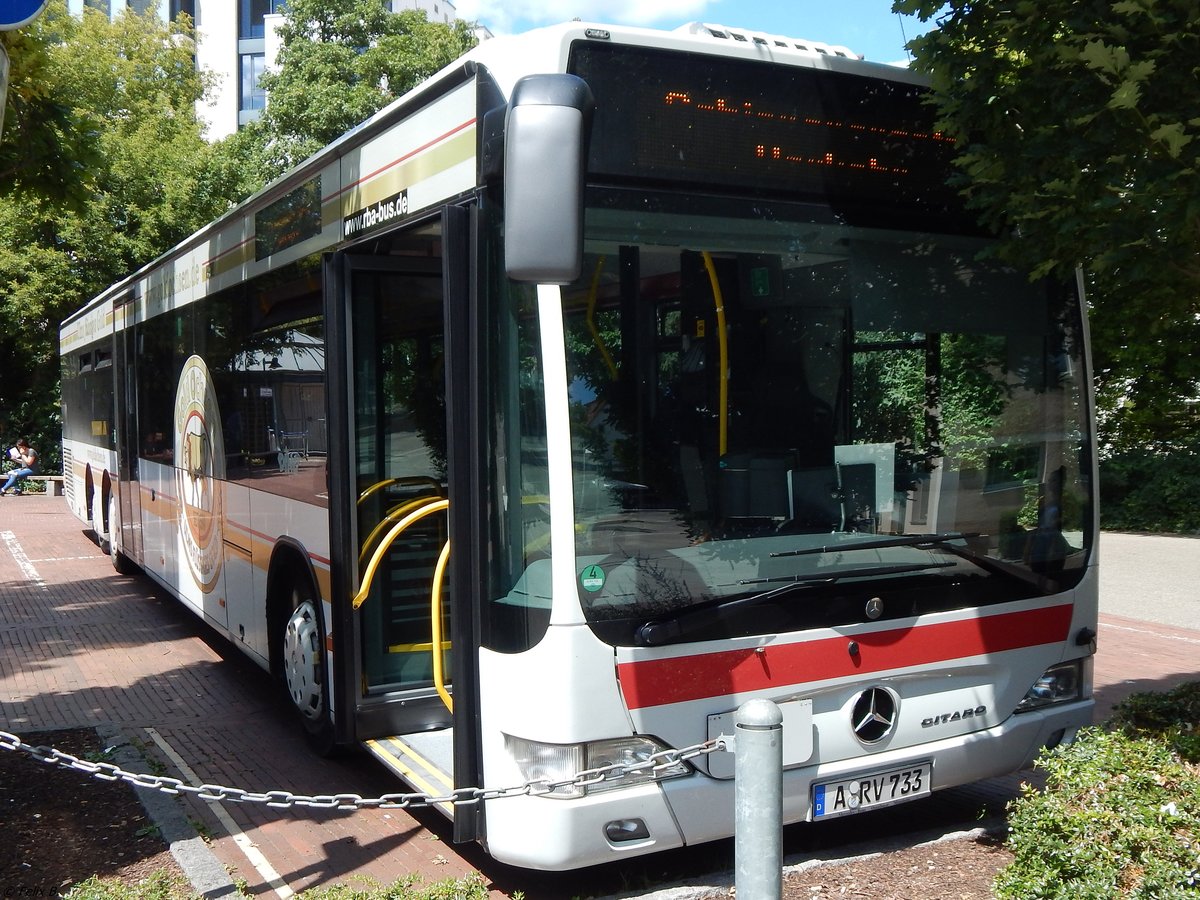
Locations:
(1077, 125)
(144, 183)
(340, 62)
(47, 146)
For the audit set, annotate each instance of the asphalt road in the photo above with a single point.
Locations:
(1151, 578)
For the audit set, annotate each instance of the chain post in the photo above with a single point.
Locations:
(758, 801)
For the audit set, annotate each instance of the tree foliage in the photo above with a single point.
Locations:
(47, 146)
(1078, 128)
(103, 165)
(133, 179)
(342, 61)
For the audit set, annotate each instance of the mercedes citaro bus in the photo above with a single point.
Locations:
(605, 381)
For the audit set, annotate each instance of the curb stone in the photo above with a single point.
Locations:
(205, 872)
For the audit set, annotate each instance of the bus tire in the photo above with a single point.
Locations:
(303, 675)
(122, 563)
(99, 526)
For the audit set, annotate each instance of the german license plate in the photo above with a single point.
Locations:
(840, 798)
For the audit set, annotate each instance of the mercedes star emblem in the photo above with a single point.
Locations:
(873, 715)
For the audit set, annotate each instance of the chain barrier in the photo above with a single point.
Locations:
(278, 799)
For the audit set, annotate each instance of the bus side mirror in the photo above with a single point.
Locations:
(545, 150)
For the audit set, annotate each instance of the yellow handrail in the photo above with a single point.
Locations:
(369, 574)
(392, 516)
(435, 605)
(407, 480)
(723, 349)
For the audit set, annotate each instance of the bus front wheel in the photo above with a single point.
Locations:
(303, 648)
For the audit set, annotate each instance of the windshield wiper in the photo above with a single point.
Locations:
(1004, 569)
(895, 540)
(940, 540)
(655, 633)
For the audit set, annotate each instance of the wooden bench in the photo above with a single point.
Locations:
(53, 483)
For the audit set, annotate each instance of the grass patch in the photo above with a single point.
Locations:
(159, 886)
(162, 886)
(470, 887)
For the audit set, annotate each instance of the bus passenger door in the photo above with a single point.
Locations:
(128, 541)
(391, 511)
(399, 456)
(404, 478)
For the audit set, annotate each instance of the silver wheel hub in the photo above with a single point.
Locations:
(302, 661)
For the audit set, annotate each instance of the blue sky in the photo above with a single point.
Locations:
(868, 27)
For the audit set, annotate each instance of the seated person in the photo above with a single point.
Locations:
(26, 458)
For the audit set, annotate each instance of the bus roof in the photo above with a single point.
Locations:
(507, 59)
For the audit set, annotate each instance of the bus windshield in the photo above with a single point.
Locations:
(780, 421)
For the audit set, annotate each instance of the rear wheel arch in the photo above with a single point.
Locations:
(98, 494)
(106, 494)
(89, 491)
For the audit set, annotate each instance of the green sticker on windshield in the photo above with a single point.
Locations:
(592, 579)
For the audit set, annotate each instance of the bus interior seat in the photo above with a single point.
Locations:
(814, 503)
(754, 485)
(691, 468)
(857, 482)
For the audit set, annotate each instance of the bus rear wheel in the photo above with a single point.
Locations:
(122, 563)
(303, 646)
(99, 526)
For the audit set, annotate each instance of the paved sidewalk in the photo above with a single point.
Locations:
(1137, 656)
(81, 646)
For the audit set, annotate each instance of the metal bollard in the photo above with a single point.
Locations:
(758, 801)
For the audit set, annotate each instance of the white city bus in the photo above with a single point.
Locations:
(610, 379)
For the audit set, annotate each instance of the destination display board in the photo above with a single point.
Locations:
(782, 130)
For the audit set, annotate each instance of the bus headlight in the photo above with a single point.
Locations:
(617, 759)
(1062, 683)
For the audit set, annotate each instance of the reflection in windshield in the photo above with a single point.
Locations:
(750, 398)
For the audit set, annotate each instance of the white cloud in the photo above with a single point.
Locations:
(501, 16)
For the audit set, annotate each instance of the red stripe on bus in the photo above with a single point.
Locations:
(655, 682)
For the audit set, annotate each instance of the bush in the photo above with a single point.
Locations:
(1120, 813)
(1149, 492)
(1172, 717)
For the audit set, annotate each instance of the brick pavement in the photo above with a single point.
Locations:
(81, 646)
(1133, 655)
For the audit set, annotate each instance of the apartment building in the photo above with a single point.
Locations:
(235, 40)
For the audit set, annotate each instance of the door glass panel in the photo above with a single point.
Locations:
(128, 480)
(400, 461)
